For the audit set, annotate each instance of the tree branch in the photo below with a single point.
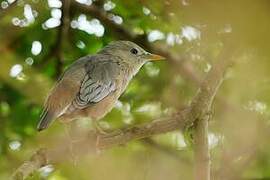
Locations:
(198, 110)
(201, 150)
(38, 160)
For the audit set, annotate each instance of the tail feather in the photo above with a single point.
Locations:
(46, 118)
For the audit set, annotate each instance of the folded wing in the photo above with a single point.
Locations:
(98, 82)
(87, 81)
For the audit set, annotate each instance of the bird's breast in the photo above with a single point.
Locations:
(124, 80)
(98, 110)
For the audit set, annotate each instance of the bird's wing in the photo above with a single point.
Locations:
(87, 80)
(63, 93)
(98, 82)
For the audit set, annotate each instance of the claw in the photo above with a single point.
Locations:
(99, 129)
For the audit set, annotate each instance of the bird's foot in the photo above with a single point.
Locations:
(100, 130)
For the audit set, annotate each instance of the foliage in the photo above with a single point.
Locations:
(190, 30)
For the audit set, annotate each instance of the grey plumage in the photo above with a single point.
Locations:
(92, 84)
(98, 82)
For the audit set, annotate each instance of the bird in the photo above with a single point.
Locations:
(91, 86)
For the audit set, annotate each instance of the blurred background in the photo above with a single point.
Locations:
(39, 39)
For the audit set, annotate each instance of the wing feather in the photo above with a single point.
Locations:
(98, 83)
(88, 80)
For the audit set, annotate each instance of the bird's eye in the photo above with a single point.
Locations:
(134, 51)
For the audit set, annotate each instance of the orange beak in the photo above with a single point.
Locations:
(154, 57)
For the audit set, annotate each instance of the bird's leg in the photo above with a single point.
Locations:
(66, 118)
(68, 130)
(99, 129)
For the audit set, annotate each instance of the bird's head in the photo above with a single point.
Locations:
(130, 53)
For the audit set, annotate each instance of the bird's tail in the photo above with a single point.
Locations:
(46, 118)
